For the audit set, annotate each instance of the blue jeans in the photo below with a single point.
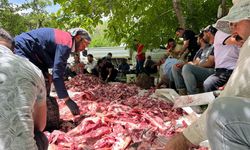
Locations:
(193, 75)
(177, 77)
(216, 80)
(228, 124)
(139, 66)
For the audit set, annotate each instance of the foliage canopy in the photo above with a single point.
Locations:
(21, 18)
(149, 21)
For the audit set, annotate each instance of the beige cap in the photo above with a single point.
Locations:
(235, 1)
(239, 11)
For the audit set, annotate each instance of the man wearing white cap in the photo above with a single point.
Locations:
(226, 123)
(50, 48)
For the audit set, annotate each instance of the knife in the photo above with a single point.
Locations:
(195, 99)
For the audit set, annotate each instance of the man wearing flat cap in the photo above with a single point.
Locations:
(226, 123)
(50, 48)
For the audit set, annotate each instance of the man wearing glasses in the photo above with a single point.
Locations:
(50, 48)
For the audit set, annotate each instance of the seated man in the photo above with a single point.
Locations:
(23, 100)
(124, 67)
(167, 73)
(74, 68)
(170, 46)
(195, 71)
(77, 66)
(226, 123)
(90, 65)
(109, 57)
(174, 49)
(150, 66)
(163, 77)
(226, 55)
(106, 69)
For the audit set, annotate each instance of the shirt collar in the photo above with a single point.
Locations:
(4, 49)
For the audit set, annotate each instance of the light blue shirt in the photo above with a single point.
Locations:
(167, 66)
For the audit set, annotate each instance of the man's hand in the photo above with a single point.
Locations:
(179, 142)
(180, 65)
(72, 107)
(107, 79)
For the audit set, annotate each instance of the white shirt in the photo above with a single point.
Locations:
(89, 66)
(21, 84)
(237, 85)
(225, 56)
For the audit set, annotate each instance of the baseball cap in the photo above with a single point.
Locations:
(239, 11)
(80, 31)
(210, 28)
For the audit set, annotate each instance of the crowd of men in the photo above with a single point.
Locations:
(218, 58)
(226, 121)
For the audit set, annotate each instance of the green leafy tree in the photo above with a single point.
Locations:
(128, 20)
(30, 15)
(99, 39)
(38, 16)
(10, 20)
(150, 22)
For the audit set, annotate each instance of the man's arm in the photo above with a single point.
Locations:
(195, 62)
(184, 51)
(192, 136)
(40, 115)
(209, 63)
(196, 132)
(60, 61)
(185, 45)
(40, 106)
(179, 142)
(109, 74)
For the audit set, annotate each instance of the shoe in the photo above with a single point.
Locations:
(182, 91)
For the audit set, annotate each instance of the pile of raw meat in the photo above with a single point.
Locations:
(114, 117)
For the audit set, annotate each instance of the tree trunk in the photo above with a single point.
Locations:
(224, 8)
(178, 12)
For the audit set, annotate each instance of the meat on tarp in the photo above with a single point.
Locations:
(114, 117)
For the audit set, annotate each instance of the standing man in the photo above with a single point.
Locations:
(226, 122)
(189, 44)
(50, 48)
(140, 57)
(23, 100)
